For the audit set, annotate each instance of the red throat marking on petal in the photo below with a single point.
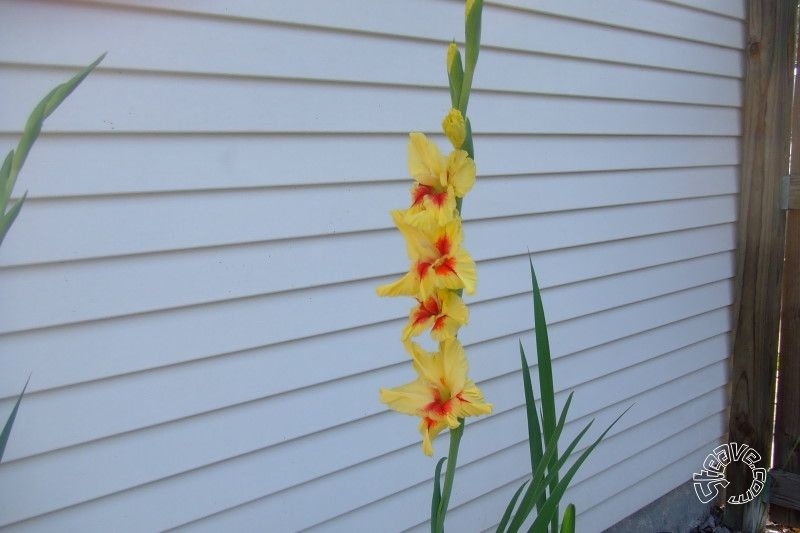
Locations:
(422, 269)
(437, 407)
(419, 193)
(426, 310)
(439, 199)
(447, 267)
(443, 244)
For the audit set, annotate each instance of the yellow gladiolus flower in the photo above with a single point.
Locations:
(441, 394)
(455, 127)
(440, 180)
(429, 167)
(430, 208)
(444, 312)
(437, 261)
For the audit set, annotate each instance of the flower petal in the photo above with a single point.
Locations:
(465, 266)
(426, 364)
(460, 172)
(471, 401)
(409, 399)
(454, 365)
(408, 285)
(425, 161)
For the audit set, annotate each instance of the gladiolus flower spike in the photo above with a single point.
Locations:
(440, 267)
(440, 270)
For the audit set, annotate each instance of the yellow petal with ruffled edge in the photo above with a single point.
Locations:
(461, 172)
(408, 285)
(467, 271)
(472, 402)
(430, 429)
(410, 398)
(441, 394)
(431, 208)
(419, 245)
(425, 161)
(425, 363)
(444, 312)
(454, 307)
(454, 366)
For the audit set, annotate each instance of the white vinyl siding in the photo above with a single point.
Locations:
(191, 282)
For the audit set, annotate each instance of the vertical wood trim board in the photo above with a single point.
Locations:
(761, 232)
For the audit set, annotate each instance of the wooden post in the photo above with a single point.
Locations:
(787, 410)
(765, 160)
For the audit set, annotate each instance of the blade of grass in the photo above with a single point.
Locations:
(568, 523)
(44, 109)
(538, 479)
(540, 524)
(8, 218)
(534, 429)
(545, 369)
(501, 527)
(10, 422)
(437, 493)
(16, 158)
(540, 487)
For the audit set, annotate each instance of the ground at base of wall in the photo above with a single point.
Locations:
(777, 528)
(678, 511)
(710, 524)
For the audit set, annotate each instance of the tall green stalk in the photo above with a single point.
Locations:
(460, 82)
(437, 521)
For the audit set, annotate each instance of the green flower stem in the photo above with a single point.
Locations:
(455, 434)
(460, 87)
(452, 458)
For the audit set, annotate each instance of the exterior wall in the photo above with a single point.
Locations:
(191, 281)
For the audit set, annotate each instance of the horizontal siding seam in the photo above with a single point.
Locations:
(622, 27)
(174, 192)
(705, 446)
(700, 9)
(559, 392)
(354, 82)
(468, 220)
(385, 321)
(130, 6)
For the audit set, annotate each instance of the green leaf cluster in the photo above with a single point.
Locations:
(8, 178)
(545, 488)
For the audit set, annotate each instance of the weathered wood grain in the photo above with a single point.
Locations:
(768, 93)
(785, 489)
(787, 421)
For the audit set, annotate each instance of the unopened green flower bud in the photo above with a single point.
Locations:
(455, 73)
